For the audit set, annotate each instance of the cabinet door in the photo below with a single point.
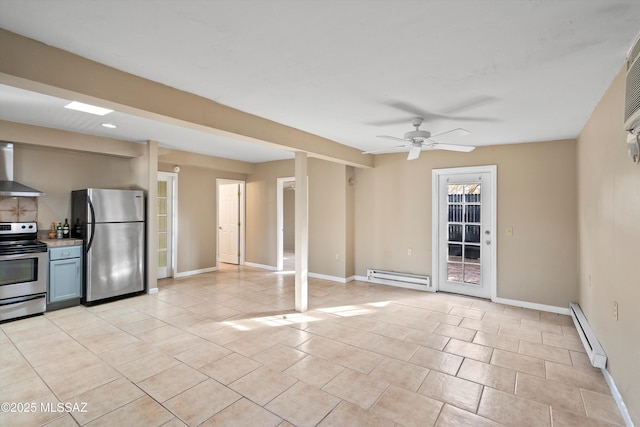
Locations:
(64, 279)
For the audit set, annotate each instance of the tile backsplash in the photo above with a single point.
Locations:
(18, 209)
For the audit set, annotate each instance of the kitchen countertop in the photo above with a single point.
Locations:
(55, 243)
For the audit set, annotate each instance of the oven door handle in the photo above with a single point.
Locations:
(17, 300)
(92, 222)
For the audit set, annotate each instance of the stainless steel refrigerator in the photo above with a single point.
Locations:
(112, 225)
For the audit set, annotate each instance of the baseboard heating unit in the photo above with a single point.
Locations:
(596, 353)
(404, 280)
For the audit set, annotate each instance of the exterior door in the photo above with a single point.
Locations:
(465, 227)
(229, 223)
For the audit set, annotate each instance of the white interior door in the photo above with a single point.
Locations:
(166, 219)
(465, 227)
(229, 223)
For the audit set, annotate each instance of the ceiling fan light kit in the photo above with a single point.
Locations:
(418, 140)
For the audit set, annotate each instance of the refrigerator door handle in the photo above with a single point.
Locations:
(93, 224)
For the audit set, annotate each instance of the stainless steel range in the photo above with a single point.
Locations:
(23, 270)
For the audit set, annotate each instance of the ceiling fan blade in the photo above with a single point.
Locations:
(452, 132)
(386, 150)
(415, 111)
(452, 147)
(389, 122)
(475, 102)
(448, 115)
(392, 138)
(414, 153)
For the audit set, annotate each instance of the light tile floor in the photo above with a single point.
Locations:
(226, 349)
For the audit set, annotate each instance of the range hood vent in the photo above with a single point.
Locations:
(8, 187)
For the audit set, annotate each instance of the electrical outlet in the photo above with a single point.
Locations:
(509, 231)
(615, 310)
(409, 251)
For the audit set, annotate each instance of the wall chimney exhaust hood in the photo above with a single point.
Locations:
(8, 187)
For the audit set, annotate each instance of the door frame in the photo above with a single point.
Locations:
(241, 218)
(172, 188)
(280, 220)
(436, 176)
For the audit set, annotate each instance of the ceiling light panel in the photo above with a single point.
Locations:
(88, 108)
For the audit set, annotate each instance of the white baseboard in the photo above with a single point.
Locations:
(313, 275)
(263, 266)
(152, 291)
(532, 305)
(331, 278)
(194, 272)
(618, 398)
(506, 301)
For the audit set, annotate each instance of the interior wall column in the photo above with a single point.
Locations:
(302, 232)
(145, 176)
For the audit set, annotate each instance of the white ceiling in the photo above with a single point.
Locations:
(508, 71)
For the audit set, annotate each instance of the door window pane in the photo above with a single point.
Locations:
(162, 223)
(472, 274)
(454, 272)
(464, 218)
(455, 232)
(162, 258)
(455, 252)
(162, 188)
(472, 253)
(162, 206)
(471, 233)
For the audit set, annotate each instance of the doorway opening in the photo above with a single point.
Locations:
(230, 221)
(464, 228)
(167, 223)
(286, 214)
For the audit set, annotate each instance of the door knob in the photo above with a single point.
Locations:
(488, 242)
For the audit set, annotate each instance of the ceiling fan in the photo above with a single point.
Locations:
(418, 140)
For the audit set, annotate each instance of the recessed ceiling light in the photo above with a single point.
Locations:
(87, 108)
(109, 125)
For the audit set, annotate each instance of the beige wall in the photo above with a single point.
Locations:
(328, 215)
(262, 211)
(609, 241)
(197, 211)
(536, 196)
(289, 219)
(57, 171)
(327, 218)
(370, 224)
